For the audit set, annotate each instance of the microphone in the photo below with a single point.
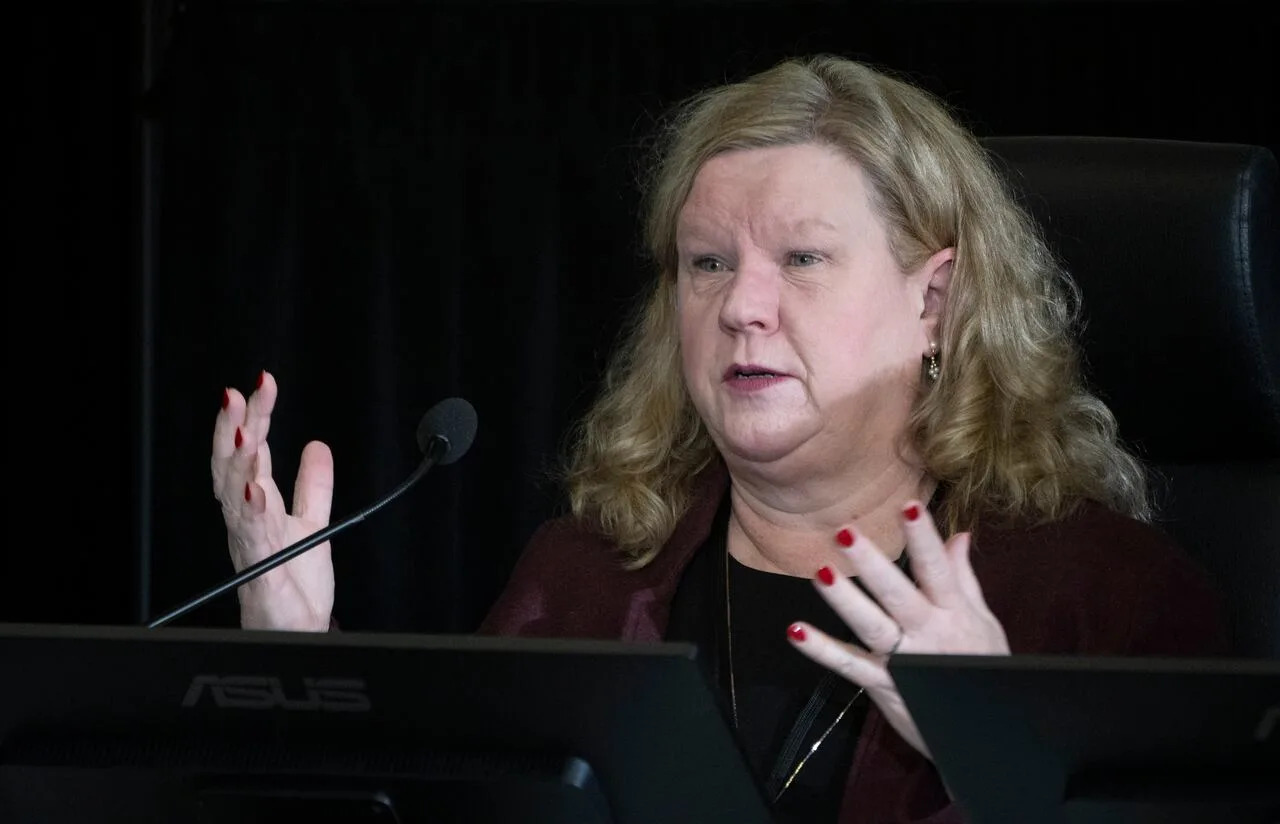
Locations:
(444, 435)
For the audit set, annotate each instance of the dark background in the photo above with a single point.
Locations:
(391, 203)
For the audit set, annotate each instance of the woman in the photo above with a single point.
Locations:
(855, 343)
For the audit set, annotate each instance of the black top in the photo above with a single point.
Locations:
(773, 682)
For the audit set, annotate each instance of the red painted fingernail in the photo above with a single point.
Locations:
(912, 512)
(248, 494)
(239, 438)
(226, 399)
(262, 376)
(826, 576)
(796, 632)
(844, 537)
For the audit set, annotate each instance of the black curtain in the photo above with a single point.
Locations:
(387, 204)
(70, 385)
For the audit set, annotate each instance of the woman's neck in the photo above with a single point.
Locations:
(790, 528)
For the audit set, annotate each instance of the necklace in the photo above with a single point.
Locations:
(816, 701)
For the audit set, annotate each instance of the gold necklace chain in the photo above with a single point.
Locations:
(733, 692)
(800, 766)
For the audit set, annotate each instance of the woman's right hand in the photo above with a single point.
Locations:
(297, 595)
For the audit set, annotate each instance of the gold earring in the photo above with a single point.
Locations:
(931, 368)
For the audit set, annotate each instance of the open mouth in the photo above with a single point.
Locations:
(751, 372)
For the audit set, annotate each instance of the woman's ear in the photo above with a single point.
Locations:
(935, 278)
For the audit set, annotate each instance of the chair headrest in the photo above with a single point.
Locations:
(1174, 246)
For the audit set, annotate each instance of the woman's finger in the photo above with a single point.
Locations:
(313, 490)
(257, 418)
(900, 599)
(877, 631)
(867, 671)
(252, 532)
(262, 476)
(230, 416)
(966, 579)
(862, 668)
(930, 563)
(262, 463)
(239, 467)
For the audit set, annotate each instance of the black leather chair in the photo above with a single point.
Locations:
(1174, 245)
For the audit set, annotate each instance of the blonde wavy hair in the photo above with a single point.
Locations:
(1008, 429)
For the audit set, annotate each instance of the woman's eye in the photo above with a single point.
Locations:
(803, 258)
(708, 264)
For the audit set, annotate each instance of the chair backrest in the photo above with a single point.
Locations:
(1174, 245)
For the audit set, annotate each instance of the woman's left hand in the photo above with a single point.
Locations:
(946, 613)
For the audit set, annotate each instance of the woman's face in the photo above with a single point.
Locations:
(799, 334)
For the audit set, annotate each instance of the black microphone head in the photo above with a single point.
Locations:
(454, 421)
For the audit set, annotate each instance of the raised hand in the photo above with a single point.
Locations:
(946, 613)
(297, 595)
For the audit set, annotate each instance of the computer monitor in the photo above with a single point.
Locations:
(124, 724)
(1100, 740)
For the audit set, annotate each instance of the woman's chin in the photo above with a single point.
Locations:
(760, 447)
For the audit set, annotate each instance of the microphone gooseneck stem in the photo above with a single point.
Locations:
(438, 448)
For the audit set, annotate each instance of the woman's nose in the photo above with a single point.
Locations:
(751, 299)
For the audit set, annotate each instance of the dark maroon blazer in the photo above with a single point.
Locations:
(1094, 583)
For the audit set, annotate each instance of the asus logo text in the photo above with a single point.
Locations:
(266, 692)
